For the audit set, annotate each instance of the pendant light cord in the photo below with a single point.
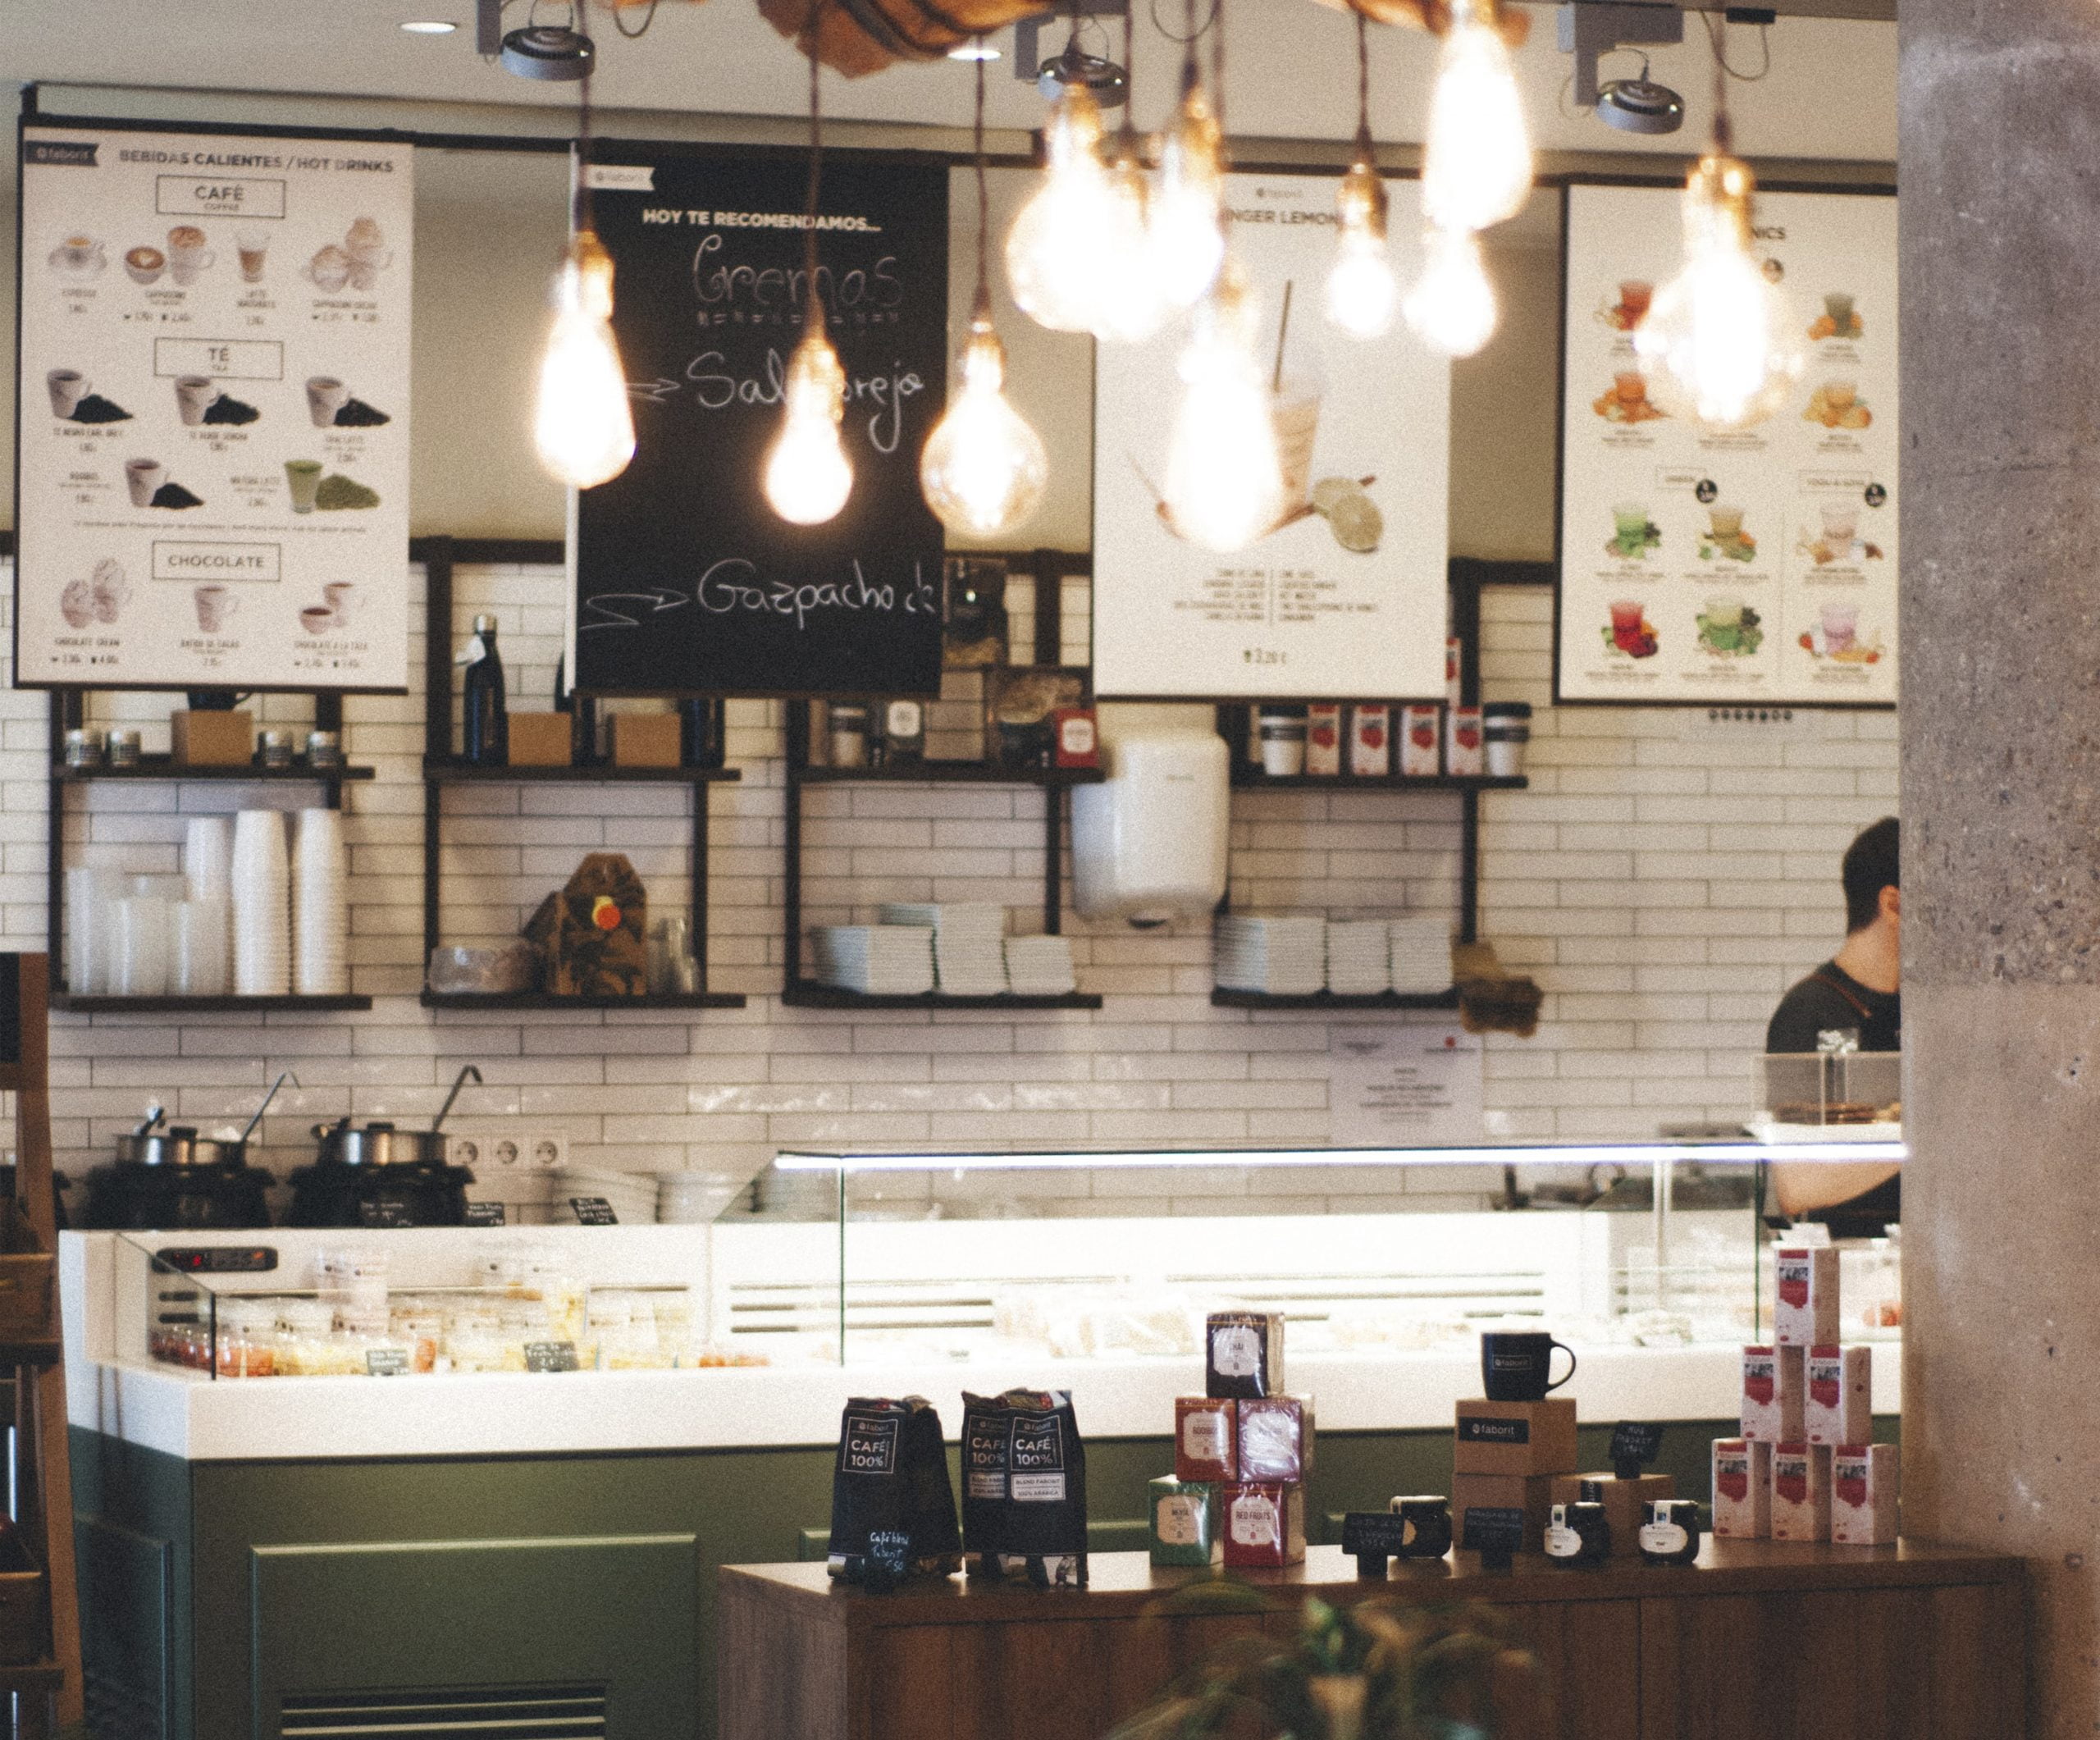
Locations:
(814, 304)
(579, 205)
(1363, 85)
(984, 305)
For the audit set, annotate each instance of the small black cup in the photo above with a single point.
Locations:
(1515, 1366)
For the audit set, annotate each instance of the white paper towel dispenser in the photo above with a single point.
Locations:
(1149, 841)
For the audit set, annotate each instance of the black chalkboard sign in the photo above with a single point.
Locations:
(549, 1356)
(592, 1211)
(1634, 1444)
(1371, 1538)
(686, 580)
(485, 1214)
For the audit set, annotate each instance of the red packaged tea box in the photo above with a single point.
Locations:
(1275, 1438)
(1419, 742)
(1800, 1492)
(1206, 1439)
(1805, 1313)
(1323, 737)
(1264, 1524)
(1742, 1490)
(1465, 748)
(1838, 1408)
(1455, 665)
(1772, 1380)
(1371, 741)
(1863, 1484)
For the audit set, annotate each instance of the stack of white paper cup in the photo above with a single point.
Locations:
(201, 945)
(91, 899)
(208, 858)
(140, 965)
(321, 916)
(261, 904)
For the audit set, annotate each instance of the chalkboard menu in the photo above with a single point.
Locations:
(686, 581)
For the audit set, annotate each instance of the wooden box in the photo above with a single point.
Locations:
(25, 1600)
(541, 739)
(29, 1306)
(213, 739)
(1515, 1437)
(1532, 1494)
(646, 739)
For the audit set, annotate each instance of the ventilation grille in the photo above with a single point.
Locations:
(479, 1713)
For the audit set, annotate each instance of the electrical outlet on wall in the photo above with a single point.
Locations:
(546, 1149)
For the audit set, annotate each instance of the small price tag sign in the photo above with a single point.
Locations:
(1496, 1532)
(485, 1214)
(385, 1362)
(1371, 1538)
(592, 1211)
(1634, 1444)
(385, 1211)
(549, 1356)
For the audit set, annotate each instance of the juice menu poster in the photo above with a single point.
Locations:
(1344, 597)
(211, 411)
(1748, 565)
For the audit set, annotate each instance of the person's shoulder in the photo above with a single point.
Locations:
(1812, 1005)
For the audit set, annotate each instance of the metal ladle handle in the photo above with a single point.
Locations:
(287, 1076)
(459, 1081)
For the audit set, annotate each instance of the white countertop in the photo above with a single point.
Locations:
(187, 1414)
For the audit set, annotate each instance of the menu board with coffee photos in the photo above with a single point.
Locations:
(211, 413)
(1343, 597)
(686, 579)
(1740, 566)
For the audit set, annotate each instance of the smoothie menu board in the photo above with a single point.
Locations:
(1740, 566)
(1345, 596)
(686, 582)
(213, 411)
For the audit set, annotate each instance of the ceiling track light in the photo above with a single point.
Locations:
(549, 53)
(1639, 105)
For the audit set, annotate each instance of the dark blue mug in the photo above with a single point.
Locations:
(1516, 1366)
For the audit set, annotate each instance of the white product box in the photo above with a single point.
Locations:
(1863, 1494)
(1805, 1313)
(1323, 737)
(1838, 1408)
(1774, 1379)
(1800, 1492)
(1421, 741)
(1742, 1490)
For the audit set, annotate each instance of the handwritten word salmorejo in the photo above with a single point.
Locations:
(717, 389)
(732, 585)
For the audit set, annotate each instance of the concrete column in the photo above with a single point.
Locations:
(2000, 114)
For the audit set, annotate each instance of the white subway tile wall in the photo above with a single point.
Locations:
(1664, 880)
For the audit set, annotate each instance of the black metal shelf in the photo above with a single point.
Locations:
(953, 773)
(451, 771)
(806, 994)
(227, 1005)
(167, 768)
(1246, 778)
(1225, 999)
(552, 1000)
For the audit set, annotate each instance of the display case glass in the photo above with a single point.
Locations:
(877, 1259)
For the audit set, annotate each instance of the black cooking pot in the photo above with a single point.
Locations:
(373, 1175)
(166, 1178)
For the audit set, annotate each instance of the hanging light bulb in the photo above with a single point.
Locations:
(1716, 343)
(1477, 161)
(807, 474)
(983, 470)
(1187, 225)
(1362, 292)
(1223, 486)
(1132, 305)
(1451, 306)
(1053, 250)
(582, 427)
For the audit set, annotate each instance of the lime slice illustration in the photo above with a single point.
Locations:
(1358, 524)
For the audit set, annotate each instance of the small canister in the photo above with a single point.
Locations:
(123, 748)
(904, 730)
(1426, 1525)
(323, 749)
(1578, 1534)
(1505, 730)
(1282, 731)
(1671, 1534)
(846, 723)
(84, 748)
(274, 749)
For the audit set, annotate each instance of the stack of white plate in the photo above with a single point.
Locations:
(882, 960)
(1421, 955)
(968, 961)
(692, 1199)
(1040, 966)
(261, 879)
(1359, 957)
(321, 916)
(1282, 957)
(630, 1196)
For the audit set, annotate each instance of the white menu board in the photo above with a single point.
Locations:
(1345, 598)
(1742, 566)
(213, 411)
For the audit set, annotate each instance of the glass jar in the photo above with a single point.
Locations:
(124, 751)
(84, 748)
(847, 730)
(303, 1329)
(274, 749)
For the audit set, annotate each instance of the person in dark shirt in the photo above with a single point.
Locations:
(1857, 991)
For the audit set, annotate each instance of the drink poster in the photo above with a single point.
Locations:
(1343, 598)
(212, 410)
(1740, 566)
(686, 580)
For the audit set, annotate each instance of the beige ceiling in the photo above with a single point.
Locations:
(1831, 93)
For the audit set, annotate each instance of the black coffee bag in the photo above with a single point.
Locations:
(987, 1433)
(893, 1510)
(1025, 1485)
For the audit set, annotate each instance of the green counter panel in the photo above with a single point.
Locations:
(209, 1590)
